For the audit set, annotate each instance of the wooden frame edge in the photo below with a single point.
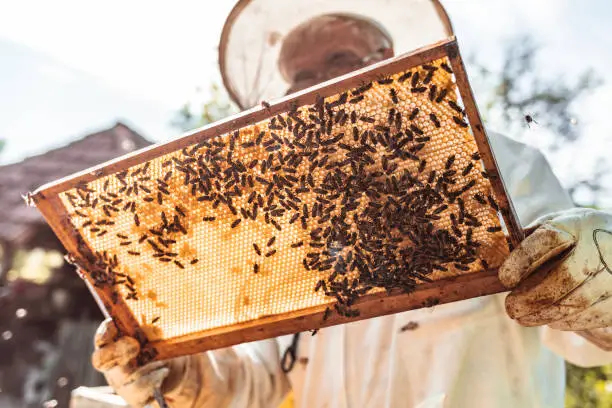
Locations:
(510, 218)
(55, 214)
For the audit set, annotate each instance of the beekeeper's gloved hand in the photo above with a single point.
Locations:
(136, 385)
(561, 274)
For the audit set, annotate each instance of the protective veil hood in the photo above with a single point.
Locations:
(254, 31)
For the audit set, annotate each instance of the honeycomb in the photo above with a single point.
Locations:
(378, 187)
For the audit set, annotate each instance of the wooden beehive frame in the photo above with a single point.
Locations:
(376, 304)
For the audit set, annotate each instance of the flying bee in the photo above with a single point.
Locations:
(529, 120)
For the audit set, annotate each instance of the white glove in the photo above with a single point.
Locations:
(561, 274)
(134, 384)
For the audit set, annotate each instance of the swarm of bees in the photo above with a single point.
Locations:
(368, 175)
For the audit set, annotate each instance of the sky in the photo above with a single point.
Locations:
(69, 67)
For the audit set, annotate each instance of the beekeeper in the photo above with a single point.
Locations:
(494, 351)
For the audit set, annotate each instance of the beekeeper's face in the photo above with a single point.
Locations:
(328, 46)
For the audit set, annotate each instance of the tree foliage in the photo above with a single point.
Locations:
(589, 387)
(519, 87)
(218, 106)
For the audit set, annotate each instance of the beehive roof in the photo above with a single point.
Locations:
(18, 222)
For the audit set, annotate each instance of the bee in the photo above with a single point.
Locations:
(454, 106)
(434, 119)
(440, 209)
(422, 165)
(385, 80)
(480, 198)
(363, 88)
(449, 162)
(461, 210)
(445, 67)
(493, 202)
(468, 186)
(356, 99)
(415, 80)
(416, 129)
(432, 92)
(276, 225)
(442, 95)
(460, 122)
(414, 114)
(294, 218)
(529, 120)
(391, 116)
(405, 76)
(467, 169)
(393, 94)
(398, 120)
(409, 326)
(319, 285)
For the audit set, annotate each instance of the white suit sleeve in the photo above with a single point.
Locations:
(244, 376)
(533, 187)
(574, 348)
(536, 191)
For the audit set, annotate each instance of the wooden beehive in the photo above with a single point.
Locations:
(370, 194)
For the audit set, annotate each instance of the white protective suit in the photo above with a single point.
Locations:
(467, 354)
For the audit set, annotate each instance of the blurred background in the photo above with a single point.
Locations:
(82, 82)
